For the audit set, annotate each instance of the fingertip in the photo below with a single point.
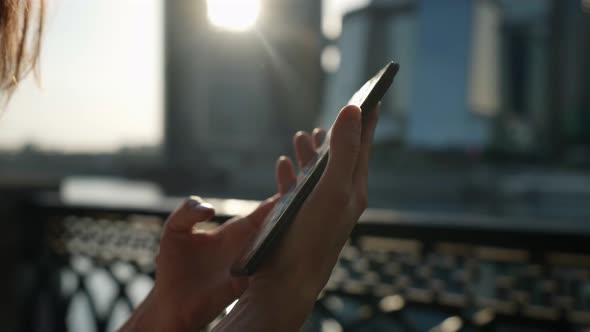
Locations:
(285, 174)
(350, 112)
(299, 135)
(304, 149)
(204, 209)
(284, 165)
(348, 123)
(301, 138)
(345, 142)
(319, 135)
(281, 160)
(284, 162)
(191, 211)
(194, 198)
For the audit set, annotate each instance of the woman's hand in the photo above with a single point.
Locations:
(282, 292)
(193, 283)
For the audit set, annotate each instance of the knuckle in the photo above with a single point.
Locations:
(361, 196)
(340, 197)
(362, 201)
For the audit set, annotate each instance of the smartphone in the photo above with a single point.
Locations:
(278, 220)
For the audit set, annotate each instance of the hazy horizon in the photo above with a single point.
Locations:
(102, 78)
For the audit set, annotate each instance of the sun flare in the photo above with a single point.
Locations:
(236, 15)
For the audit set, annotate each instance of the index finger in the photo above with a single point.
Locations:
(344, 149)
(361, 173)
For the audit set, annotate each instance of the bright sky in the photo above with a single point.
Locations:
(101, 78)
(333, 11)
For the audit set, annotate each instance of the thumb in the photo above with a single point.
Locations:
(242, 230)
(345, 144)
(191, 211)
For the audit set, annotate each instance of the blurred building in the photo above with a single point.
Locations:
(228, 93)
(474, 74)
(430, 103)
(544, 51)
(370, 37)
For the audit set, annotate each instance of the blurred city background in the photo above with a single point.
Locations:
(488, 116)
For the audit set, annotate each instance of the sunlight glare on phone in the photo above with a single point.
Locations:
(234, 15)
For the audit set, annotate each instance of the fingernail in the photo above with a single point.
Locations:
(352, 119)
(196, 203)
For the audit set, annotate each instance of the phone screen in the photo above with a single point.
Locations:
(275, 224)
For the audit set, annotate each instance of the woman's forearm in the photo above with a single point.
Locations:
(153, 315)
(271, 308)
(252, 315)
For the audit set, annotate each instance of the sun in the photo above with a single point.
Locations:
(235, 15)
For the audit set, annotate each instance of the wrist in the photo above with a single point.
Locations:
(154, 314)
(172, 315)
(269, 309)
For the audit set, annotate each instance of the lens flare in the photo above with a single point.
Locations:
(235, 15)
